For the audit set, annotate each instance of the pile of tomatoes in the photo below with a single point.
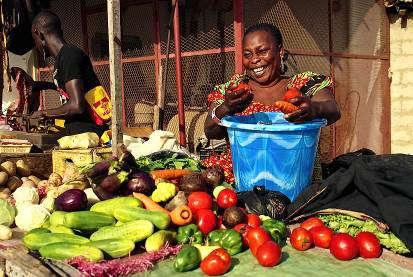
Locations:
(313, 232)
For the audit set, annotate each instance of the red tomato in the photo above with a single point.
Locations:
(369, 245)
(291, 93)
(321, 236)
(253, 220)
(242, 228)
(216, 263)
(227, 198)
(199, 200)
(343, 247)
(301, 239)
(256, 237)
(242, 86)
(269, 254)
(206, 220)
(311, 222)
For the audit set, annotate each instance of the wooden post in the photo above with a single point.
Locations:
(115, 68)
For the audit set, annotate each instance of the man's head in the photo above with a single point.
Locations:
(46, 25)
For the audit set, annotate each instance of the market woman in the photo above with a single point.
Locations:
(85, 105)
(264, 62)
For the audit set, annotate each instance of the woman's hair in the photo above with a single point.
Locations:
(270, 29)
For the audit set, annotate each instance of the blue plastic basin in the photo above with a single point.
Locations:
(268, 150)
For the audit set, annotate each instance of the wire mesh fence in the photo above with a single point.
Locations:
(347, 39)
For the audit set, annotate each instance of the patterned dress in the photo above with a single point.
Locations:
(308, 83)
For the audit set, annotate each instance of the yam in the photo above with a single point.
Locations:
(3, 178)
(9, 167)
(55, 179)
(28, 183)
(5, 193)
(14, 182)
(35, 179)
(22, 168)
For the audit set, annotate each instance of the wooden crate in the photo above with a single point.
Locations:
(40, 163)
(79, 157)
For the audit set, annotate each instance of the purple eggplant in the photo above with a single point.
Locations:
(113, 182)
(140, 182)
(101, 193)
(71, 200)
(126, 159)
(103, 168)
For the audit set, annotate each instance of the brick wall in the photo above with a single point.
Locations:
(401, 89)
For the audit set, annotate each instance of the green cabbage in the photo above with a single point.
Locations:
(7, 213)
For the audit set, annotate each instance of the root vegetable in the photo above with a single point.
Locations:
(22, 168)
(28, 183)
(5, 193)
(3, 178)
(14, 182)
(9, 167)
(34, 179)
(55, 179)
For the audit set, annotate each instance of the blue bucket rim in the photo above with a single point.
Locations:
(285, 126)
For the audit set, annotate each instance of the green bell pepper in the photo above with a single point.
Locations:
(228, 239)
(187, 259)
(189, 234)
(276, 229)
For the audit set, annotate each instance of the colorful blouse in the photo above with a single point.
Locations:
(308, 83)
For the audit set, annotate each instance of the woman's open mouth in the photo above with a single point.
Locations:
(259, 71)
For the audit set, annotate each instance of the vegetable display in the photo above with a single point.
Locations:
(189, 234)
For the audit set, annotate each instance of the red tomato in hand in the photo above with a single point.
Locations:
(216, 263)
(343, 247)
(321, 236)
(369, 245)
(227, 198)
(311, 222)
(269, 254)
(242, 228)
(206, 220)
(256, 237)
(253, 220)
(199, 200)
(291, 93)
(301, 239)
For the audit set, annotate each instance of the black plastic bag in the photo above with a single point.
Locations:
(264, 202)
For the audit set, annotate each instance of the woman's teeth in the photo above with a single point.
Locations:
(259, 71)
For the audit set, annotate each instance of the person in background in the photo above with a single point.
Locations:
(264, 62)
(86, 107)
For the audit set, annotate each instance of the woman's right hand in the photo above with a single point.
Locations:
(238, 98)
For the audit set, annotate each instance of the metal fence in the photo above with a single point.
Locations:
(347, 39)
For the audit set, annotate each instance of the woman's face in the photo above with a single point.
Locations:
(261, 57)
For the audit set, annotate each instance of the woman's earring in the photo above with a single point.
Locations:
(282, 67)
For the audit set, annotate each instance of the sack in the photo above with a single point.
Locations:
(265, 202)
(80, 141)
(99, 105)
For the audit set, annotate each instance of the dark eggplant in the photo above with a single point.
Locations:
(113, 182)
(71, 200)
(101, 193)
(193, 182)
(126, 159)
(140, 182)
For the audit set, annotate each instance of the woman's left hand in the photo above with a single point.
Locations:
(306, 111)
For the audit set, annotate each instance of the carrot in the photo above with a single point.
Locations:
(181, 215)
(286, 107)
(169, 173)
(149, 203)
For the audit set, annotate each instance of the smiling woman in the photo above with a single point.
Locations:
(264, 83)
